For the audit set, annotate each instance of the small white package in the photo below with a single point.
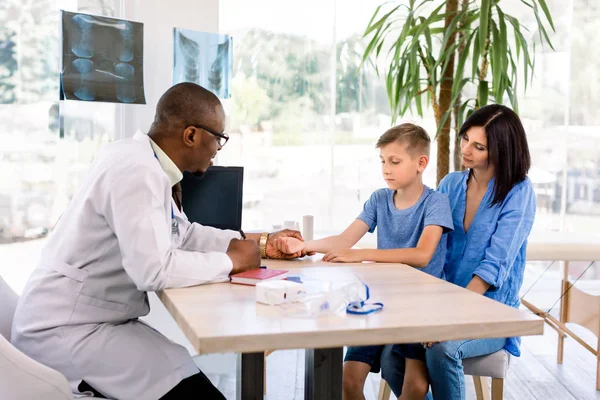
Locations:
(278, 292)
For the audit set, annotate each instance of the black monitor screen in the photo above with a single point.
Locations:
(215, 199)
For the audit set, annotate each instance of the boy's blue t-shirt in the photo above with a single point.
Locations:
(397, 229)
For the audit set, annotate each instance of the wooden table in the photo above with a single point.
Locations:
(576, 306)
(224, 318)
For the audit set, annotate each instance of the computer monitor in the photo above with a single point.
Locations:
(215, 198)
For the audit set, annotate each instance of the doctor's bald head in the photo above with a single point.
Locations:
(188, 125)
(187, 104)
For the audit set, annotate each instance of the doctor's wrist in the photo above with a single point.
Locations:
(262, 243)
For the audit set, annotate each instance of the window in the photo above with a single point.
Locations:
(41, 165)
(303, 123)
(561, 116)
(308, 146)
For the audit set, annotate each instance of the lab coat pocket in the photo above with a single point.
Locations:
(109, 305)
(65, 279)
(62, 284)
(67, 270)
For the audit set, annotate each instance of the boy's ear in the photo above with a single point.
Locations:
(423, 161)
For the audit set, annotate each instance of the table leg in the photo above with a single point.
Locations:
(250, 376)
(323, 374)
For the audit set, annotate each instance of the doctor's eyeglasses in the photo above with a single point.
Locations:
(222, 137)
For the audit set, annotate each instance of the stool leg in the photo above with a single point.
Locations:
(497, 388)
(384, 391)
(598, 367)
(563, 316)
(482, 389)
(561, 346)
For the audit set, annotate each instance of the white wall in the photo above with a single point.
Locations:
(159, 18)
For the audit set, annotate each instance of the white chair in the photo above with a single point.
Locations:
(22, 378)
(493, 366)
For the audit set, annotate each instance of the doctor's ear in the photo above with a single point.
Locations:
(190, 135)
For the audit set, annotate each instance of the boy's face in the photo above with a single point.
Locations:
(401, 168)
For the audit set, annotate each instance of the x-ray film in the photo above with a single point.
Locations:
(102, 59)
(203, 58)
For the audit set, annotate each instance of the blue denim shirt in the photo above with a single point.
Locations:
(495, 245)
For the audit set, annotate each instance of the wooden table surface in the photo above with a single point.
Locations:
(222, 317)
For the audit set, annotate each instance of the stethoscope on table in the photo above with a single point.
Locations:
(362, 307)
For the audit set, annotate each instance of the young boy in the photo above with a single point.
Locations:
(411, 221)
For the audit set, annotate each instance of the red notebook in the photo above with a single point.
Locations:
(254, 276)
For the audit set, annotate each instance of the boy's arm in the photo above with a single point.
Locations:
(419, 256)
(344, 240)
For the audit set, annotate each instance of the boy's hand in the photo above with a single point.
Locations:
(281, 250)
(289, 245)
(345, 255)
(428, 345)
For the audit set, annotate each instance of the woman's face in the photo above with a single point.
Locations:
(474, 148)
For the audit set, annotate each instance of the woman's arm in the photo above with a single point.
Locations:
(478, 285)
(419, 256)
(512, 230)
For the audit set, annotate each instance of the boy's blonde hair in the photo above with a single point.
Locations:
(416, 139)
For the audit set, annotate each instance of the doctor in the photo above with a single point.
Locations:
(122, 235)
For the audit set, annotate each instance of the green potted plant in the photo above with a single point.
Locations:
(455, 56)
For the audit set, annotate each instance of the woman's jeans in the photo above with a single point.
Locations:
(444, 365)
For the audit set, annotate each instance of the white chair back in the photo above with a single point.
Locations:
(22, 378)
(8, 304)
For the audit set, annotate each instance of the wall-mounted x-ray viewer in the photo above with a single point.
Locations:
(203, 58)
(102, 59)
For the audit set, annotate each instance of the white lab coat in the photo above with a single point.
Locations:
(79, 310)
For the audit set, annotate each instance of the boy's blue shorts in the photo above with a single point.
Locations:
(372, 354)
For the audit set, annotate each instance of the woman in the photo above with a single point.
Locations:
(493, 208)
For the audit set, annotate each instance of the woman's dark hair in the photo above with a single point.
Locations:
(507, 146)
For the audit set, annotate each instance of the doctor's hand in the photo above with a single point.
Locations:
(244, 254)
(276, 249)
